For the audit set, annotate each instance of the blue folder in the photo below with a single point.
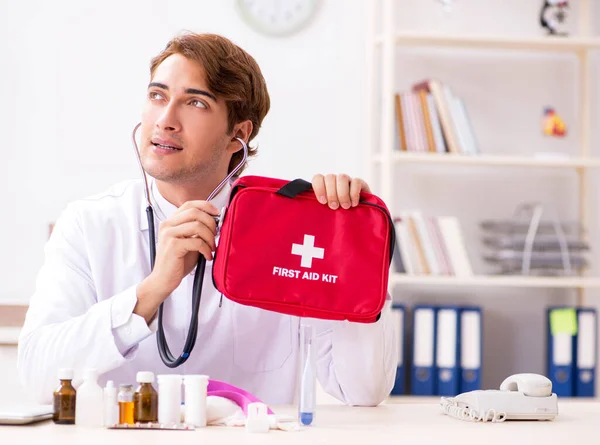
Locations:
(447, 350)
(471, 348)
(423, 378)
(561, 329)
(399, 319)
(585, 352)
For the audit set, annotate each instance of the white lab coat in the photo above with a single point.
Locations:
(81, 316)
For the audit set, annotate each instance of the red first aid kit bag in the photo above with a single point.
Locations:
(281, 250)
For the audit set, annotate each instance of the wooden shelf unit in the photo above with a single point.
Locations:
(491, 160)
(496, 281)
(383, 158)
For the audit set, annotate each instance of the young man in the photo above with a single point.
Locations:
(96, 298)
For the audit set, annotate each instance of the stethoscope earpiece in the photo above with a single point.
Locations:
(234, 171)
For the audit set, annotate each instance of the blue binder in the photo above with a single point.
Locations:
(471, 348)
(585, 352)
(561, 330)
(423, 379)
(399, 318)
(447, 350)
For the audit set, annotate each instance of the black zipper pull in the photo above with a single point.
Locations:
(221, 300)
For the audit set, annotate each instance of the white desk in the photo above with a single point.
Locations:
(398, 423)
(9, 336)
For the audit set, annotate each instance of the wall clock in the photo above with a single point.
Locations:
(277, 17)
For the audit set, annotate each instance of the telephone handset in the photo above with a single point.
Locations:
(520, 397)
(533, 385)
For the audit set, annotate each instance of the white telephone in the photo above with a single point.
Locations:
(520, 397)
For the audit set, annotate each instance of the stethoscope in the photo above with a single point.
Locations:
(163, 348)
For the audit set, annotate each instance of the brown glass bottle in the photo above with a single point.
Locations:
(65, 398)
(145, 399)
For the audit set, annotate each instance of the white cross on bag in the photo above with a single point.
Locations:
(308, 251)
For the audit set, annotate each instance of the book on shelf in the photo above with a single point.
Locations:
(430, 245)
(430, 118)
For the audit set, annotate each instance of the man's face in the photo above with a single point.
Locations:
(184, 125)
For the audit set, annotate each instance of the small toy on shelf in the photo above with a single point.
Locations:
(552, 123)
(552, 15)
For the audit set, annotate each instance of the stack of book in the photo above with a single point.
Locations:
(430, 245)
(431, 119)
(523, 247)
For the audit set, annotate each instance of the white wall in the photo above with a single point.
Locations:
(73, 78)
(74, 74)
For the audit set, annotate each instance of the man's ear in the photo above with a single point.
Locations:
(241, 130)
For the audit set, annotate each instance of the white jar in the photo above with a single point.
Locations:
(169, 398)
(195, 399)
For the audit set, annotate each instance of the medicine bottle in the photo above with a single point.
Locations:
(125, 398)
(65, 399)
(111, 405)
(169, 398)
(88, 411)
(145, 399)
(195, 399)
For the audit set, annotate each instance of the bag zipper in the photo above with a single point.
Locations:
(392, 230)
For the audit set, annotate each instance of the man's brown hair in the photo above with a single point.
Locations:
(231, 74)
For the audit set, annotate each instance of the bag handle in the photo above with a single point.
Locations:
(297, 186)
(294, 188)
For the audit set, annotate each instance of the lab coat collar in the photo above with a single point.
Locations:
(163, 209)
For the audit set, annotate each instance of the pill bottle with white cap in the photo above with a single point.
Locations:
(195, 399)
(145, 399)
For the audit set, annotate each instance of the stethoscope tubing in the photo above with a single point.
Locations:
(163, 348)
